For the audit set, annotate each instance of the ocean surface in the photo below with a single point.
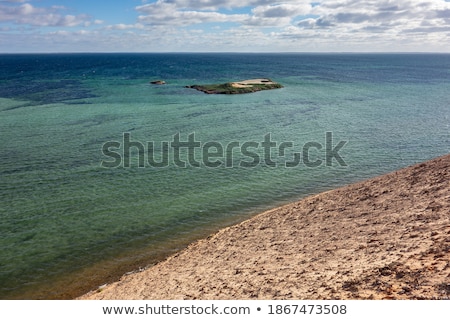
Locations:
(83, 199)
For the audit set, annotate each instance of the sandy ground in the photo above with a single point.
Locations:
(251, 82)
(385, 238)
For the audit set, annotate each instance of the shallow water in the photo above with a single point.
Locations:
(68, 224)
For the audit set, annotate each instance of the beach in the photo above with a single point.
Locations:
(77, 214)
(383, 238)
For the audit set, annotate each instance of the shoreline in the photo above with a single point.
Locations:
(384, 238)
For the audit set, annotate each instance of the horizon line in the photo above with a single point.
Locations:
(228, 52)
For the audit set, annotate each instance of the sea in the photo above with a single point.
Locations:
(103, 173)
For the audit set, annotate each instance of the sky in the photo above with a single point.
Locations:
(28, 26)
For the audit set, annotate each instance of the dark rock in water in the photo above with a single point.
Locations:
(158, 82)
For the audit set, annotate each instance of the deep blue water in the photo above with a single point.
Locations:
(67, 224)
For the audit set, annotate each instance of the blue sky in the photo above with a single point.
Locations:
(225, 25)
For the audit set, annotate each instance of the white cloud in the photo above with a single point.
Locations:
(384, 13)
(217, 4)
(242, 25)
(123, 26)
(189, 12)
(282, 10)
(42, 17)
(365, 15)
(168, 13)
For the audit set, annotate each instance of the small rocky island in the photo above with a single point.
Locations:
(246, 86)
(159, 82)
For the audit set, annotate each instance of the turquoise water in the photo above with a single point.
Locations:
(68, 224)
